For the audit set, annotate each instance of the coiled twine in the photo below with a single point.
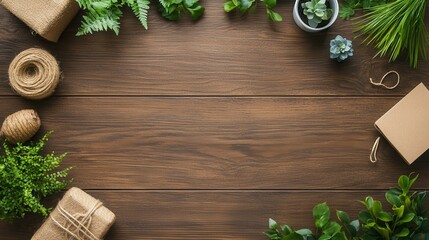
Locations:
(34, 74)
(21, 126)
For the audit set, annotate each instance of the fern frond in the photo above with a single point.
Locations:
(96, 21)
(140, 9)
(163, 3)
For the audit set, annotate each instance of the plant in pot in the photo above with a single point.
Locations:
(315, 15)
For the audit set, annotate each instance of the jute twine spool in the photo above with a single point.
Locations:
(20, 126)
(34, 74)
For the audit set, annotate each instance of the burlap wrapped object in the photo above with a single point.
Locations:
(77, 216)
(48, 18)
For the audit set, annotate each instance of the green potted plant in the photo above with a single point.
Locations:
(315, 15)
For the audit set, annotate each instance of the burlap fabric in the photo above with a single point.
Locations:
(77, 216)
(48, 18)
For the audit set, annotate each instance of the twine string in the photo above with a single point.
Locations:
(382, 79)
(34, 73)
(77, 225)
(373, 154)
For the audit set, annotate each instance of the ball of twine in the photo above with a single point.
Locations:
(20, 126)
(34, 74)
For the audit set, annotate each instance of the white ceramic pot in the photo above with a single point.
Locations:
(304, 26)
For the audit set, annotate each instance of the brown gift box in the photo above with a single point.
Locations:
(406, 125)
(77, 216)
(48, 18)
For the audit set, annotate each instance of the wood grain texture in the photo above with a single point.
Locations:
(205, 130)
(222, 143)
(219, 55)
(204, 215)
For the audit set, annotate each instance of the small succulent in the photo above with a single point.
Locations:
(316, 12)
(341, 48)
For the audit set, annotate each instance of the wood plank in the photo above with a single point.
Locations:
(204, 215)
(219, 55)
(221, 143)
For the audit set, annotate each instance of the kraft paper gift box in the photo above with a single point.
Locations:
(406, 125)
(77, 216)
(48, 18)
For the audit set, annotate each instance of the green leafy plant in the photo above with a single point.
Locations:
(316, 11)
(172, 9)
(245, 6)
(396, 27)
(408, 220)
(325, 227)
(26, 176)
(349, 7)
(103, 15)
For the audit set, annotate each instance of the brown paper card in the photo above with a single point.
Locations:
(48, 18)
(406, 125)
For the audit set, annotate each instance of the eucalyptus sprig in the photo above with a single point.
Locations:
(396, 27)
(246, 6)
(26, 176)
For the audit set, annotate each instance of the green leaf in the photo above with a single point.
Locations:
(325, 237)
(190, 3)
(229, 6)
(272, 224)
(385, 216)
(364, 216)
(304, 232)
(407, 218)
(286, 229)
(384, 232)
(331, 228)
(355, 224)
(293, 236)
(321, 214)
(393, 198)
(339, 236)
(404, 183)
(343, 217)
(196, 12)
(245, 5)
(399, 211)
(270, 3)
(404, 232)
(274, 16)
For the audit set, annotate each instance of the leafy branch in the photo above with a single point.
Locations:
(407, 221)
(246, 6)
(349, 7)
(103, 15)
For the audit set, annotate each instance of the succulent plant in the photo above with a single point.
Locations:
(316, 12)
(341, 48)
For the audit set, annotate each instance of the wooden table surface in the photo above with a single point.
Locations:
(205, 130)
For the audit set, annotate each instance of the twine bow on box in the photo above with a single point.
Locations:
(77, 225)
